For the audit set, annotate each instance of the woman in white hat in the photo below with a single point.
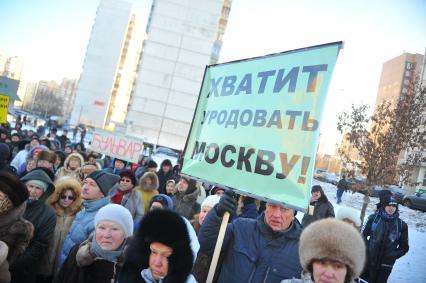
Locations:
(99, 258)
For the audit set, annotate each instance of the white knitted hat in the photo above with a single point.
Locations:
(118, 214)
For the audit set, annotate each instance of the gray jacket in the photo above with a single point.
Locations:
(132, 201)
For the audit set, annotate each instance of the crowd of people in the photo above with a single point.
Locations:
(71, 215)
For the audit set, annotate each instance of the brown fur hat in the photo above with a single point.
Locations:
(335, 240)
(47, 155)
(62, 185)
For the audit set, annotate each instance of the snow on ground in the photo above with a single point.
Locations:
(411, 268)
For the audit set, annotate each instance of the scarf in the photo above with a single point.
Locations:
(388, 217)
(112, 256)
(118, 197)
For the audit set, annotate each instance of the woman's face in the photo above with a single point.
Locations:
(329, 271)
(74, 163)
(68, 150)
(159, 259)
(170, 187)
(125, 184)
(66, 199)
(31, 164)
(109, 235)
(203, 213)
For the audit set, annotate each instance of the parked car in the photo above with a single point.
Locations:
(331, 178)
(357, 184)
(319, 174)
(399, 193)
(417, 201)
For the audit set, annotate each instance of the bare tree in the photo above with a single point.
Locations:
(394, 128)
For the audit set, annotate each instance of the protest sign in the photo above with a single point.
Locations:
(257, 121)
(4, 102)
(116, 145)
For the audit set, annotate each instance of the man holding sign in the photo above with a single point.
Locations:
(255, 130)
(261, 250)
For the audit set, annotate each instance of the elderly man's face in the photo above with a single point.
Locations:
(277, 217)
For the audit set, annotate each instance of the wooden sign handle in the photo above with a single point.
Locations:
(218, 247)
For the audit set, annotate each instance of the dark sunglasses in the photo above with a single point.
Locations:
(125, 180)
(67, 197)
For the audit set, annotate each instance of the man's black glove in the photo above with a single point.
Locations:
(228, 202)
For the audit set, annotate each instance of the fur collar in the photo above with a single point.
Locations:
(154, 181)
(189, 195)
(63, 184)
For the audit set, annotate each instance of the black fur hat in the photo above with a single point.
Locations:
(13, 188)
(168, 228)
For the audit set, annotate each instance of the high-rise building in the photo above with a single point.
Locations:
(11, 68)
(182, 38)
(397, 76)
(109, 68)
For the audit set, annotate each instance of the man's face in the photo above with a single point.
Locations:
(158, 260)
(91, 190)
(152, 169)
(34, 142)
(35, 192)
(119, 164)
(166, 168)
(390, 209)
(277, 217)
(182, 185)
(15, 138)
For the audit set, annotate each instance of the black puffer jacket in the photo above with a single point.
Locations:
(43, 218)
(386, 238)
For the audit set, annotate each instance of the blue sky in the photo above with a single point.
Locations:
(52, 35)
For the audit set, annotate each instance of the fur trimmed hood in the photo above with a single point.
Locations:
(61, 185)
(154, 180)
(332, 239)
(168, 228)
(191, 193)
(75, 155)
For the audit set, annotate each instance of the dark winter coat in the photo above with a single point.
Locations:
(82, 266)
(252, 251)
(322, 209)
(249, 211)
(387, 240)
(42, 216)
(171, 232)
(185, 203)
(163, 178)
(15, 231)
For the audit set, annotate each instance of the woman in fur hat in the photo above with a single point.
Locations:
(72, 167)
(330, 250)
(160, 251)
(100, 257)
(66, 201)
(386, 236)
(148, 187)
(15, 231)
(185, 199)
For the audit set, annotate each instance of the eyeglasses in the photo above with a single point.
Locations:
(125, 180)
(67, 197)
